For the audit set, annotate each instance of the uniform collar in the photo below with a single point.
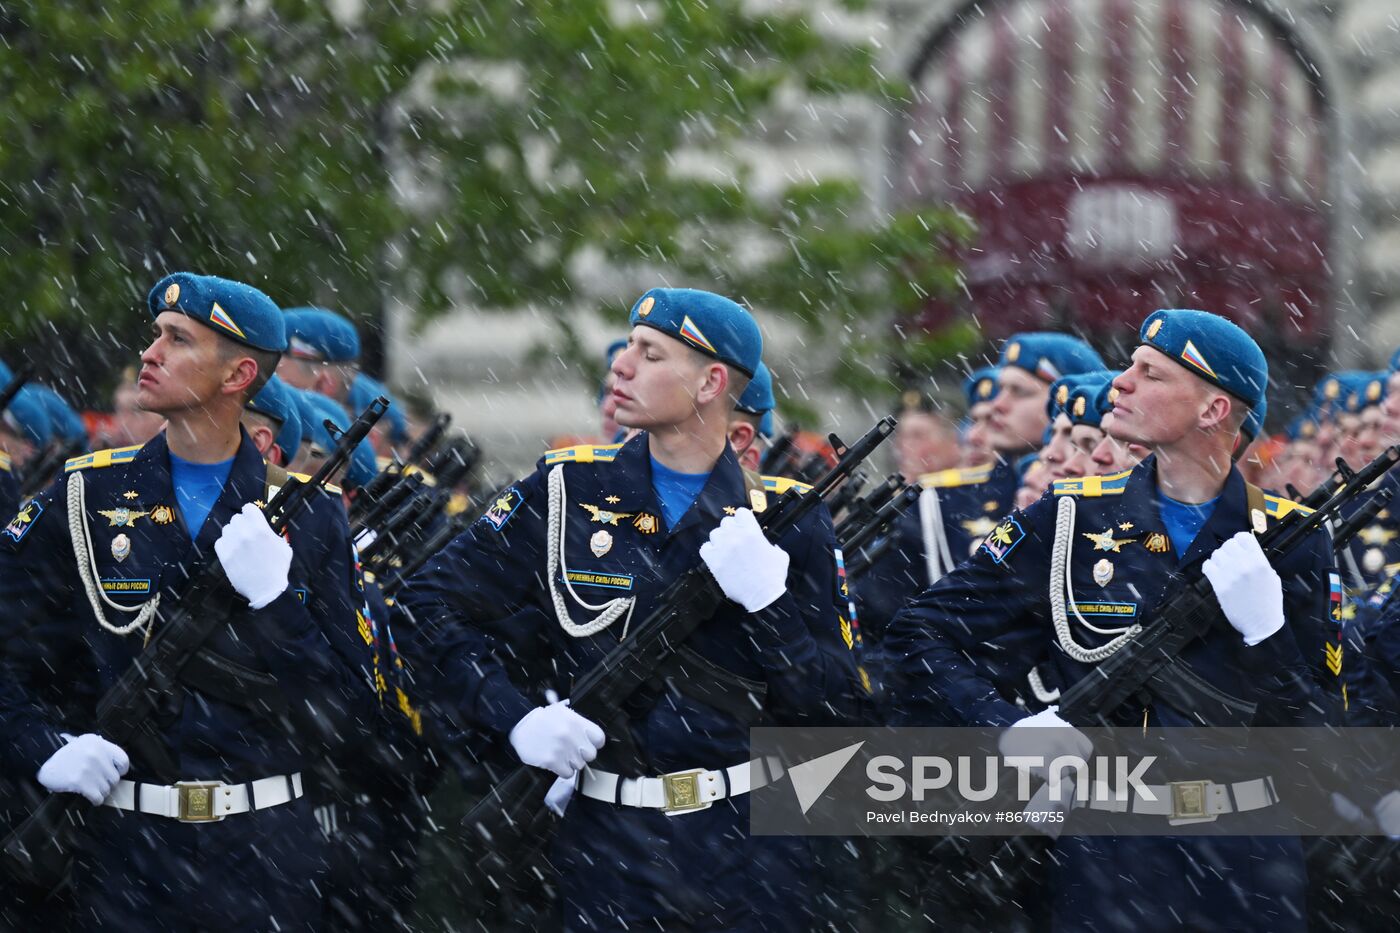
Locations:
(724, 489)
(247, 479)
(1229, 517)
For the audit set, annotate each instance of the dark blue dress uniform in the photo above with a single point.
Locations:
(970, 499)
(255, 870)
(485, 600)
(9, 486)
(990, 619)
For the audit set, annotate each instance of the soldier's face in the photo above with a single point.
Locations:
(976, 442)
(1158, 402)
(1112, 455)
(1018, 415)
(183, 367)
(1084, 439)
(657, 381)
(1057, 453)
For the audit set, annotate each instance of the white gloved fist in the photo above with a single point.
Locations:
(557, 739)
(87, 765)
(255, 558)
(1046, 736)
(750, 569)
(1387, 814)
(1248, 588)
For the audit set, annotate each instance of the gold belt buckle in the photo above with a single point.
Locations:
(1189, 800)
(682, 789)
(197, 802)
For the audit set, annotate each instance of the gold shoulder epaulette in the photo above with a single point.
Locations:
(778, 485)
(101, 458)
(305, 478)
(582, 453)
(4, 461)
(957, 476)
(1278, 506)
(1091, 486)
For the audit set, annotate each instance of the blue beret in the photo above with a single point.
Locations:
(1253, 424)
(614, 348)
(1211, 347)
(363, 465)
(313, 416)
(1088, 398)
(275, 400)
(766, 426)
(28, 417)
(1062, 391)
(366, 389)
(758, 397)
(1302, 428)
(981, 385)
(321, 335)
(1049, 355)
(710, 323)
(1333, 389)
(64, 420)
(237, 311)
(1024, 464)
(1367, 392)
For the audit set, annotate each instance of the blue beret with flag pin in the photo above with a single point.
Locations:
(234, 310)
(1211, 347)
(276, 402)
(704, 321)
(1049, 355)
(321, 335)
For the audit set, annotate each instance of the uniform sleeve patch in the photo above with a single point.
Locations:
(24, 520)
(1003, 540)
(503, 508)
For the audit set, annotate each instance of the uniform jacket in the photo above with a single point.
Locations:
(990, 619)
(484, 607)
(61, 660)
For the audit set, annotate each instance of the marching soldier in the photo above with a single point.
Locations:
(980, 393)
(1112, 546)
(571, 556)
(199, 822)
(746, 423)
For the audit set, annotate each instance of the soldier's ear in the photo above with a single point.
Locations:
(241, 376)
(741, 435)
(716, 384)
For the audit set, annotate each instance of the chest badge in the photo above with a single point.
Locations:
(1157, 543)
(162, 515)
(646, 524)
(603, 515)
(1376, 535)
(1106, 541)
(130, 494)
(1373, 561)
(600, 543)
(121, 518)
(121, 547)
(612, 500)
(1103, 572)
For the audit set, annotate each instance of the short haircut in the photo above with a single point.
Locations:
(266, 361)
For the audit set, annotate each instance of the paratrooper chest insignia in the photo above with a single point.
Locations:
(603, 515)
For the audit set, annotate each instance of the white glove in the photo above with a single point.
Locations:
(557, 739)
(559, 795)
(87, 765)
(750, 569)
(1346, 809)
(1046, 736)
(1248, 589)
(255, 558)
(1387, 814)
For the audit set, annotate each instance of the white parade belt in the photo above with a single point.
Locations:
(1187, 800)
(680, 791)
(204, 801)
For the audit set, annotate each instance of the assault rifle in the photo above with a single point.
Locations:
(386, 478)
(38, 850)
(1145, 662)
(512, 816)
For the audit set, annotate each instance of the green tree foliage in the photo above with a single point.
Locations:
(476, 151)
